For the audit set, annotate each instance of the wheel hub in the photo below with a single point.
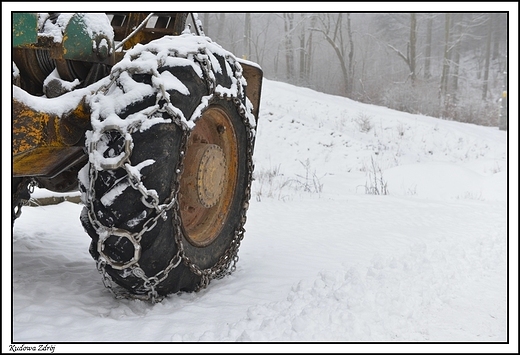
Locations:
(211, 175)
(209, 178)
(205, 174)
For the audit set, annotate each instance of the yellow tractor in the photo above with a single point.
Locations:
(155, 124)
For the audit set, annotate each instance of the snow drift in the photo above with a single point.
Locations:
(366, 225)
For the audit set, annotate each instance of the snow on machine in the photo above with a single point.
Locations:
(154, 125)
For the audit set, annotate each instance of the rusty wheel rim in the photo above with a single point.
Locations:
(208, 182)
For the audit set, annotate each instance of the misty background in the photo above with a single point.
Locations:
(447, 65)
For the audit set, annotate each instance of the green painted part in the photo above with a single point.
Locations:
(25, 28)
(77, 43)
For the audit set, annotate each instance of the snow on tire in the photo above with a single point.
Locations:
(168, 180)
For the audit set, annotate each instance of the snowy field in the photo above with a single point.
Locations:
(366, 225)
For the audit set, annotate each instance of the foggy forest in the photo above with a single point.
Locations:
(446, 65)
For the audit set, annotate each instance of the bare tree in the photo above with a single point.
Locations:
(496, 35)
(206, 22)
(488, 57)
(261, 37)
(332, 29)
(289, 49)
(247, 36)
(458, 36)
(301, 49)
(350, 78)
(410, 57)
(309, 47)
(443, 91)
(221, 22)
(428, 47)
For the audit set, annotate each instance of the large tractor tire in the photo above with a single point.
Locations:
(168, 181)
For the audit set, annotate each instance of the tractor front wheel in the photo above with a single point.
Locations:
(168, 181)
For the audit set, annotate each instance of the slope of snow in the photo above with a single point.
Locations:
(323, 258)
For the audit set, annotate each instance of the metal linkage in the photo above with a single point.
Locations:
(21, 196)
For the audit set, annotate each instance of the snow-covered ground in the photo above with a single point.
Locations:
(324, 258)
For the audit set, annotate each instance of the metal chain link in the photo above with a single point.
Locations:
(227, 262)
(26, 185)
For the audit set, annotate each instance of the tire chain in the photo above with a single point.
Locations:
(227, 262)
(21, 196)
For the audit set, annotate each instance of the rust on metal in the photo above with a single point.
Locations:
(46, 161)
(31, 128)
(211, 175)
(205, 174)
(43, 142)
(209, 179)
(253, 76)
(73, 125)
(25, 28)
